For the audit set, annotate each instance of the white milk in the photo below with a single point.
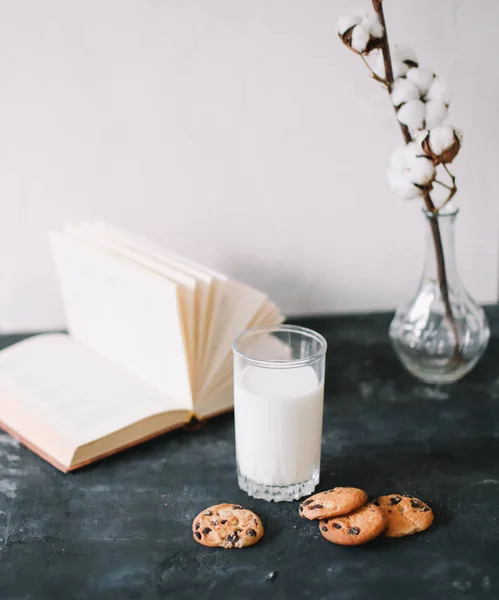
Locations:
(278, 416)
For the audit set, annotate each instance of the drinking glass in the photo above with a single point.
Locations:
(278, 406)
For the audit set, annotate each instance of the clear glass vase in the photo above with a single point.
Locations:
(440, 335)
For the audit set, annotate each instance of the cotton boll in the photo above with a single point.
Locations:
(404, 156)
(413, 151)
(346, 22)
(422, 171)
(399, 69)
(412, 114)
(404, 54)
(404, 91)
(439, 90)
(400, 182)
(442, 144)
(360, 38)
(441, 138)
(403, 58)
(373, 24)
(420, 136)
(436, 113)
(398, 159)
(421, 78)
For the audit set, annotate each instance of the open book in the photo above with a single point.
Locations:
(149, 347)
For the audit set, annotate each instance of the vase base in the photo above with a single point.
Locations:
(437, 371)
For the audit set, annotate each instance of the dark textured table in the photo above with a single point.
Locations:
(121, 528)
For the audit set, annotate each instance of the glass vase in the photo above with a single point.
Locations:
(440, 335)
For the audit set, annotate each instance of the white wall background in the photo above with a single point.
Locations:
(239, 132)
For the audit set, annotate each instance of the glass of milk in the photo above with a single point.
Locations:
(278, 404)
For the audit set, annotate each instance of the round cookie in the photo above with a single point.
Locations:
(227, 526)
(405, 515)
(354, 529)
(331, 503)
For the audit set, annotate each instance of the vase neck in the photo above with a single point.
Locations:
(440, 227)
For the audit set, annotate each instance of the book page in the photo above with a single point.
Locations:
(125, 312)
(239, 306)
(268, 314)
(187, 283)
(72, 391)
(209, 289)
(221, 400)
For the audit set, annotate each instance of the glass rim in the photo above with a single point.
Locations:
(438, 215)
(285, 363)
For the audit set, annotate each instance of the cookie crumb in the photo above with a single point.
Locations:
(272, 575)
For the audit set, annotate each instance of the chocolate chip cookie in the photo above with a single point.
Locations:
(359, 527)
(227, 526)
(338, 501)
(405, 515)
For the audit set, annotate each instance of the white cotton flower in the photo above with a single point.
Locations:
(410, 171)
(360, 31)
(420, 136)
(412, 114)
(403, 91)
(399, 69)
(442, 144)
(403, 58)
(436, 113)
(405, 54)
(346, 22)
(360, 37)
(441, 138)
(421, 78)
(400, 182)
(374, 26)
(422, 170)
(402, 156)
(399, 157)
(439, 90)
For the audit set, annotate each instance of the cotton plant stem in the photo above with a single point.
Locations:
(430, 207)
(452, 190)
(442, 184)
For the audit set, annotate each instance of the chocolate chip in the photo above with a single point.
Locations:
(389, 512)
(336, 525)
(251, 533)
(208, 513)
(237, 507)
(224, 521)
(197, 534)
(376, 503)
(233, 537)
(315, 506)
(301, 508)
(415, 503)
(197, 525)
(206, 531)
(324, 528)
(255, 521)
(214, 523)
(325, 521)
(395, 500)
(307, 502)
(354, 531)
(425, 509)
